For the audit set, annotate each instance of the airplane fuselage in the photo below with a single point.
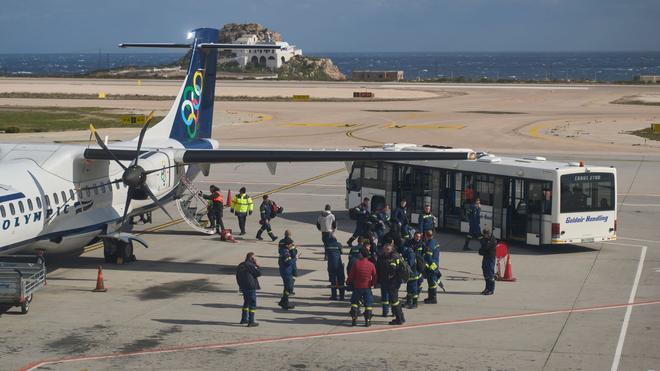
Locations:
(52, 198)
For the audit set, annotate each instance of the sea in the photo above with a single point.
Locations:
(568, 66)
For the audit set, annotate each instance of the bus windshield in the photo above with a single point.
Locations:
(587, 192)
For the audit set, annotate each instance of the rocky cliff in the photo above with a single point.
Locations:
(232, 31)
(309, 68)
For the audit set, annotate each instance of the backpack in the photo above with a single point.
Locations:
(274, 209)
(419, 262)
(403, 270)
(353, 213)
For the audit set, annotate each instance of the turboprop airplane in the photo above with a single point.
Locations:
(59, 198)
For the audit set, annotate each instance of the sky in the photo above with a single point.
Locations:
(62, 26)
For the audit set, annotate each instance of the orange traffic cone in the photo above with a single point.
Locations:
(100, 287)
(228, 200)
(508, 274)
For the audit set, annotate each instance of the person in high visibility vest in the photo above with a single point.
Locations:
(241, 205)
(216, 207)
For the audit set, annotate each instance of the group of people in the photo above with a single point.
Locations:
(242, 206)
(389, 254)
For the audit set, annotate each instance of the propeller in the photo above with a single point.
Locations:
(134, 176)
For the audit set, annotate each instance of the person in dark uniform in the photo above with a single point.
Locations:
(383, 223)
(362, 215)
(362, 277)
(417, 244)
(474, 218)
(286, 263)
(487, 250)
(427, 220)
(216, 208)
(335, 268)
(412, 286)
(432, 272)
(266, 211)
(400, 224)
(382, 269)
(393, 261)
(247, 277)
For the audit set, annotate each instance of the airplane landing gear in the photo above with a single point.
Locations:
(116, 251)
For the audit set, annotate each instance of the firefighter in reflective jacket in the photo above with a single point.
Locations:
(286, 261)
(393, 283)
(432, 272)
(418, 245)
(335, 269)
(400, 223)
(362, 215)
(412, 287)
(266, 212)
(241, 205)
(216, 206)
(427, 220)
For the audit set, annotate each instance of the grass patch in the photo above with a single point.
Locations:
(34, 120)
(646, 133)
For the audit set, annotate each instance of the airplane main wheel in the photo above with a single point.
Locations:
(109, 251)
(25, 307)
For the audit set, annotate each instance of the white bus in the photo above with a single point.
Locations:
(528, 200)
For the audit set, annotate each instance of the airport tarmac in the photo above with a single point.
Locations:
(588, 307)
(177, 307)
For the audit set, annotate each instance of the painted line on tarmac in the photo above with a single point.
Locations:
(424, 126)
(99, 245)
(351, 135)
(631, 299)
(46, 362)
(638, 239)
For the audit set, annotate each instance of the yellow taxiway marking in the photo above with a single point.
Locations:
(425, 126)
(321, 124)
(351, 135)
(99, 245)
(534, 132)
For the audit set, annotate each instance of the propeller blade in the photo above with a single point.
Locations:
(162, 168)
(129, 196)
(153, 197)
(105, 148)
(140, 139)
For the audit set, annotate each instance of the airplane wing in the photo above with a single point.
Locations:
(390, 152)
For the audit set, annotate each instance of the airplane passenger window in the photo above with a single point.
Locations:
(72, 195)
(12, 209)
(88, 193)
(47, 200)
(56, 200)
(2, 211)
(64, 199)
(96, 189)
(117, 185)
(29, 202)
(103, 189)
(38, 202)
(21, 207)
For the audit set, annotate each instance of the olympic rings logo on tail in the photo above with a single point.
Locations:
(190, 107)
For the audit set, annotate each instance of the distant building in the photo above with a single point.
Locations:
(649, 79)
(272, 58)
(377, 75)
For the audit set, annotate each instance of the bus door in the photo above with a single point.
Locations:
(452, 196)
(535, 197)
(354, 186)
(516, 210)
(525, 211)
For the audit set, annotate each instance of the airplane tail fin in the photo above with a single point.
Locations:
(190, 119)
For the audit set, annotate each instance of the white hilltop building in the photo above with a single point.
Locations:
(273, 58)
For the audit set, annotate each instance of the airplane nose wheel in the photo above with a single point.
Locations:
(119, 252)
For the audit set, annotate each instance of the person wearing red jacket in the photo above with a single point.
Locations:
(363, 277)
